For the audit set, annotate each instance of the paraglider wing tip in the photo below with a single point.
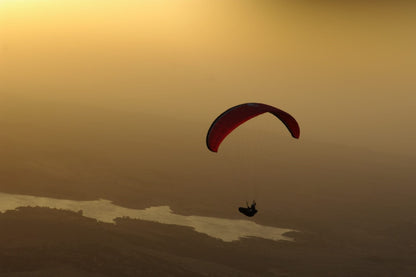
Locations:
(211, 147)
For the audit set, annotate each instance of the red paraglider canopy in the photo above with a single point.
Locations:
(235, 116)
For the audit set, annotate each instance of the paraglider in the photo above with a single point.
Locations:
(250, 210)
(229, 120)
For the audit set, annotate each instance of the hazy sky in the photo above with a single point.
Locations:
(345, 71)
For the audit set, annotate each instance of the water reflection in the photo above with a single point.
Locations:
(105, 211)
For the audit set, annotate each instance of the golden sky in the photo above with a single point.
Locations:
(345, 71)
